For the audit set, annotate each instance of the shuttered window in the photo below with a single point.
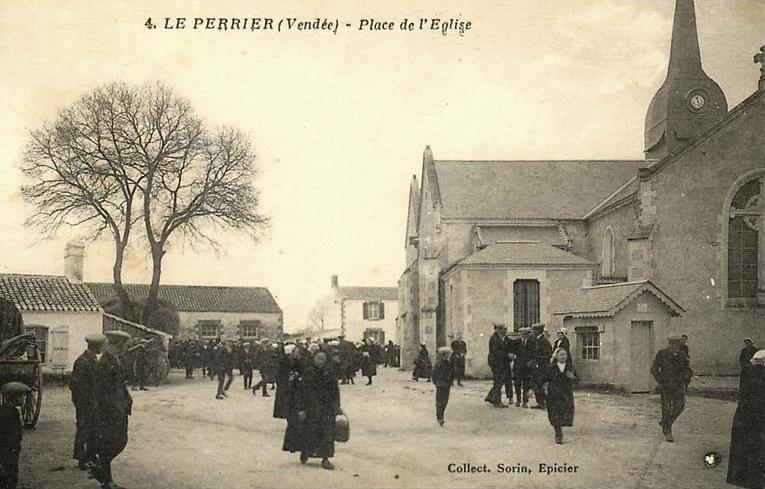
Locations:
(374, 311)
(525, 303)
(59, 347)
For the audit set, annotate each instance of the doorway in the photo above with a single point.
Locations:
(641, 348)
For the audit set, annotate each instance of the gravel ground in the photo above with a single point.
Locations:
(181, 437)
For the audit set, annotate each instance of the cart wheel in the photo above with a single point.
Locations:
(33, 400)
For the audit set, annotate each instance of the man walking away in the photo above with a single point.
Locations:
(443, 378)
(498, 365)
(672, 371)
(82, 385)
(459, 352)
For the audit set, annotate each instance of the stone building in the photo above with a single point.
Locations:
(356, 312)
(517, 242)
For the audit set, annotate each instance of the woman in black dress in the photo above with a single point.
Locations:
(422, 364)
(311, 424)
(746, 463)
(560, 377)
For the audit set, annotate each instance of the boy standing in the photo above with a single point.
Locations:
(10, 433)
(443, 378)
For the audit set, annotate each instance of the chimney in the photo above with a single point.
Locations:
(335, 283)
(73, 261)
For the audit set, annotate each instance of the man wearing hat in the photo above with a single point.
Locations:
(673, 373)
(10, 433)
(498, 364)
(542, 355)
(745, 358)
(523, 367)
(82, 385)
(113, 406)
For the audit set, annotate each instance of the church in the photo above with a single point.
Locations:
(620, 253)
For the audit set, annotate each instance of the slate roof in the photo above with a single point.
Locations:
(199, 298)
(46, 293)
(607, 300)
(524, 253)
(628, 190)
(370, 293)
(527, 189)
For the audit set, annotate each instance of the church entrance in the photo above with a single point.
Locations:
(641, 348)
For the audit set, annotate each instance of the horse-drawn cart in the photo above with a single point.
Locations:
(20, 361)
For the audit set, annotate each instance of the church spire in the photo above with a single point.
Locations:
(689, 102)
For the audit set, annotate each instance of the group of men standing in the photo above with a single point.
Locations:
(102, 404)
(518, 364)
(365, 357)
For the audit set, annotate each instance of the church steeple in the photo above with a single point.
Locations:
(689, 102)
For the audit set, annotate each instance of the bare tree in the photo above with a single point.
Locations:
(318, 315)
(203, 183)
(81, 171)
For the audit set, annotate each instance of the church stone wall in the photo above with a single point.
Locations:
(689, 242)
(621, 222)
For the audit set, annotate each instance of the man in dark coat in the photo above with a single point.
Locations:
(443, 378)
(746, 463)
(225, 362)
(459, 352)
(347, 353)
(523, 367)
(246, 364)
(311, 426)
(673, 373)
(140, 368)
(368, 360)
(113, 406)
(745, 358)
(542, 354)
(82, 384)
(10, 433)
(498, 365)
(269, 365)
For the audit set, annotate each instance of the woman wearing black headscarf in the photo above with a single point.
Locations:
(560, 377)
(746, 463)
(311, 424)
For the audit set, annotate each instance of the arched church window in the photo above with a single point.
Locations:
(744, 241)
(607, 259)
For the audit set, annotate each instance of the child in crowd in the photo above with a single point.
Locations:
(10, 433)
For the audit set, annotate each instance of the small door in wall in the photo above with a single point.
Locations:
(641, 348)
(59, 347)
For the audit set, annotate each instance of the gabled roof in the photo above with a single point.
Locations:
(46, 293)
(199, 298)
(369, 293)
(527, 254)
(607, 300)
(413, 211)
(527, 189)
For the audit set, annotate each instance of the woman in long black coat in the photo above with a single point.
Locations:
(311, 424)
(422, 364)
(746, 463)
(560, 377)
(292, 362)
(368, 360)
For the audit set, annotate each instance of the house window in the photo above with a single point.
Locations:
(250, 329)
(745, 221)
(525, 303)
(607, 261)
(374, 311)
(589, 342)
(209, 329)
(377, 334)
(41, 335)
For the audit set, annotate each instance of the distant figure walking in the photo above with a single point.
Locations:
(443, 378)
(673, 373)
(560, 378)
(498, 364)
(459, 352)
(368, 360)
(746, 463)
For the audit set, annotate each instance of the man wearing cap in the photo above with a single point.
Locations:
(523, 367)
(745, 358)
(82, 385)
(542, 355)
(673, 373)
(10, 433)
(498, 364)
(113, 406)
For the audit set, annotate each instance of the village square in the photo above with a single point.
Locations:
(204, 316)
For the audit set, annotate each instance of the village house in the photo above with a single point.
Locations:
(357, 313)
(623, 253)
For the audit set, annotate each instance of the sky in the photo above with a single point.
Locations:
(339, 121)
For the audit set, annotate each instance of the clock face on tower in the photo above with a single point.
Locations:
(696, 101)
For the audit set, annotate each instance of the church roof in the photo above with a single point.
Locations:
(608, 300)
(199, 298)
(369, 293)
(528, 253)
(527, 189)
(46, 293)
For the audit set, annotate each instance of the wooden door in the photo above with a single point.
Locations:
(641, 347)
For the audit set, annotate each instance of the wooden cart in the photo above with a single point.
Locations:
(20, 361)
